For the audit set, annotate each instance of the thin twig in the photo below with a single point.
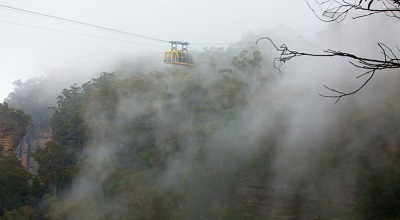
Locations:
(337, 10)
(389, 61)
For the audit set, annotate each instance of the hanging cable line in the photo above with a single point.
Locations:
(75, 33)
(103, 28)
(222, 43)
(80, 23)
(173, 56)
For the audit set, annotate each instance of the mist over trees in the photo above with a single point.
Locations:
(222, 140)
(227, 139)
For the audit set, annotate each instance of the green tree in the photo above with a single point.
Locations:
(248, 63)
(14, 182)
(68, 122)
(25, 97)
(102, 94)
(23, 213)
(56, 166)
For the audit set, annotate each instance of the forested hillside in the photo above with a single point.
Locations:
(226, 139)
(15, 190)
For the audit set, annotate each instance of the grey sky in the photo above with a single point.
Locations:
(27, 52)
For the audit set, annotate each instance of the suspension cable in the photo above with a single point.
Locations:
(97, 27)
(76, 33)
(78, 22)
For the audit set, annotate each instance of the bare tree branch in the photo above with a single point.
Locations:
(337, 10)
(339, 94)
(389, 61)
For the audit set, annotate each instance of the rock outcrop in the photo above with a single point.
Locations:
(29, 143)
(13, 127)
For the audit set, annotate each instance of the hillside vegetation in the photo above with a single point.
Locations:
(227, 139)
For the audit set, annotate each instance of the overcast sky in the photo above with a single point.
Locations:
(26, 52)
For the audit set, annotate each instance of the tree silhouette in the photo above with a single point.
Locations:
(337, 10)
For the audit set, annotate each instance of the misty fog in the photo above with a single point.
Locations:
(231, 137)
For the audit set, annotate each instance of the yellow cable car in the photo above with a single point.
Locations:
(179, 57)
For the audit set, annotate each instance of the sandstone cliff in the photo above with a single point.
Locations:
(13, 126)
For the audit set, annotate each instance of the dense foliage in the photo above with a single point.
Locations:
(216, 141)
(14, 181)
(18, 190)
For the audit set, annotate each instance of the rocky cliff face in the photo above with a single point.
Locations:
(10, 136)
(13, 126)
(29, 143)
(17, 136)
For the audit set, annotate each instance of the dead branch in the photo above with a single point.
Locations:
(389, 61)
(337, 10)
